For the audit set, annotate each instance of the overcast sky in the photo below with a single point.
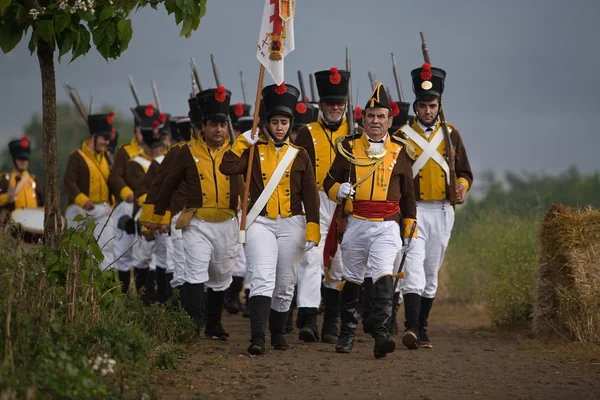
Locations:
(522, 84)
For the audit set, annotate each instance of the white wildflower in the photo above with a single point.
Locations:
(33, 13)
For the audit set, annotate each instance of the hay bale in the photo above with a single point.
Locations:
(567, 301)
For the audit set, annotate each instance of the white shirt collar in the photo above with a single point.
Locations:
(424, 128)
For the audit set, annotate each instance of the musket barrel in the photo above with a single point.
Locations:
(397, 79)
(76, 101)
(302, 89)
(372, 80)
(196, 74)
(244, 90)
(134, 90)
(313, 87)
(156, 98)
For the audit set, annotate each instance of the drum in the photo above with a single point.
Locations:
(28, 224)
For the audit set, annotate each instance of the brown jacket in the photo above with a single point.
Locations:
(161, 173)
(298, 187)
(136, 174)
(77, 180)
(118, 176)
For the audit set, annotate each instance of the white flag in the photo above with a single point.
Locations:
(276, 39)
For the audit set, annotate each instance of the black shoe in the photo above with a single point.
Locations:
(233, 298)
(125, 279)
(194, 300)
(349, 317)
(426, 305)
(259, 308)
(424, 342)
(331, 299)
(214, 309)
(307, 322)
(410, 339)
(412, 308)
(277, 323)
(383, 346)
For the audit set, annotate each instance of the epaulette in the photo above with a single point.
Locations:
(410, 149)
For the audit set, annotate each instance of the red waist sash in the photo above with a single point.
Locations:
(375, 209)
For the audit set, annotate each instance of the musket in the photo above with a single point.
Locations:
(389, 93)
(397, 79)
(196, 74)
(156, 98)
(218, 82)
(401, 267)
(193, 86)
(302, 89)
(372, 80)
(91, 107)
(244, 90)
(313, 87)
(134, 90)
(74, 98)
(450, 150)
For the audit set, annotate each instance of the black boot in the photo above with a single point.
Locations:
(169, 289)
(161, 285)
(307, 323)
(151, 285)
(426, 305)
(412, 307)
(214, 310)
(194, 299)
(332, 299)
(259, 308)
(233, 299)
(349, 317)
(368, 306)
(393, 321)
(290, 321)
(125, 279)
(141, 278)
(382, 312)
(246, 312)
(277, 323)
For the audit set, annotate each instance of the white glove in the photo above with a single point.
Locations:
(248, 136)
(344, 191)
(407, 244)
(309, 245)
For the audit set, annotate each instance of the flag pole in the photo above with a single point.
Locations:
(242, 233)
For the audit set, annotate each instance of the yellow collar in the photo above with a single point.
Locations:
(90, 153)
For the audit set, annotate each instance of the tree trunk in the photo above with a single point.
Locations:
(52, 217)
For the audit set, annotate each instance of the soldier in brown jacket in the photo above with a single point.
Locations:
(208, 220)
(436, 214)
(286, 220)
(86, 183)
(19, 189)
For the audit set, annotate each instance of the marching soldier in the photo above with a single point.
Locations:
(86, 183)
(208, 220)
(319, 138)
(19, 189)
(432, 187)
(284, 219)
(378, 168)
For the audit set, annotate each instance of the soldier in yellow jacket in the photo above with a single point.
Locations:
(19, 189)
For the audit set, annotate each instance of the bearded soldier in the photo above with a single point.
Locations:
(86, 183)
(378, 168)
(281, 232)
(319, 138)
(432, 187)
(209, 219)
(19, 189)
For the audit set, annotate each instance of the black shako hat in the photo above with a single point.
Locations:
(101, 124)
(181, 128)
(379, 98)
(305, 114)
(428, 82)
(400, 114)
(20, 149)
(238, 110)
(332, 84)
(214, 104)
(151, 124)
(280, 99)
(194, 114)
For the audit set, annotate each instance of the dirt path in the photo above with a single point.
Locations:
(468, 361)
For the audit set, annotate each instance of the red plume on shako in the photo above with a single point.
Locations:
(395, 109)
(162, 117)
(301, 108)
(220, 94)
(334, 76)
(426, 72)
(281, 89)
(239, 109)
(110, 117)
(25, 142)
(149, 110)
(358, 112)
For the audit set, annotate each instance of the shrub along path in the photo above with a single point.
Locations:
(470, 360)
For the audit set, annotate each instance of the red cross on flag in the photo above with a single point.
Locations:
(276, 39)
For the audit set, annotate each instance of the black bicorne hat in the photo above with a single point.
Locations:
(20, 149)
(101, 124)
(280, 99)
(305, 114)
(400, 114)
(428, 82)
(214, 104)
(181, 128)
(332, 84)
(379, 98)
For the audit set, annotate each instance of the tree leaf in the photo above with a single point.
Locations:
(104, 50)
(82, 45)
(66, 41)
(45, 28)
(32, 42)
(109, 35)
(106, 13)
(86, 16)
(125, 32)
(61, 21)
(10, 36)
(186, 29)
(98, 35)
(4, 4)
(97, 252)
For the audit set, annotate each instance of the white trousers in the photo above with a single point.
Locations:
(175, 254)
(123, 243)
(376, 243)
(425, 259)
(310, 269)
(103, 231)
(273, 248)
(210, 249)
(239, 270)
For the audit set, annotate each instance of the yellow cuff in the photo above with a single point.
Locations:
(125, 192)
(81, 199)
(239, 146)
(464, 182)
(408, 223)
(141, 200)
(147, 211)
(313, 232)
(332, 193)
(160, 219)
(3, 199)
